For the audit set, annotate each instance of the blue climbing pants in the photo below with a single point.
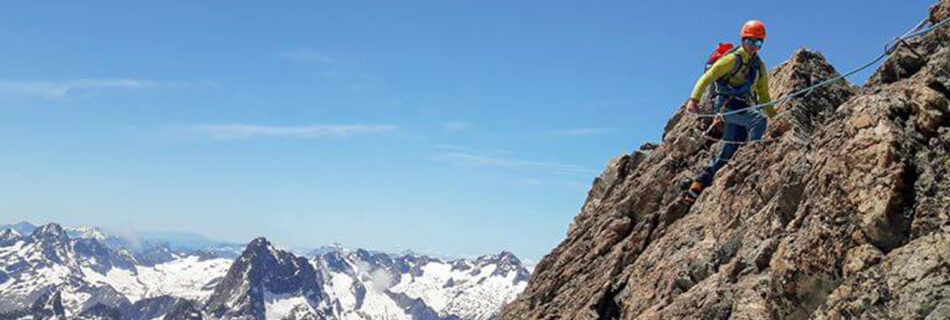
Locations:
(738, 127)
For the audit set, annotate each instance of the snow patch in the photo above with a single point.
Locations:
(185, 278)
(278, 307)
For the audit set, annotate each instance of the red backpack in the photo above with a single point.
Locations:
(722, 50)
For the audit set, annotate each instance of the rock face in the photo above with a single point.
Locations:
(151, 308)
(100, 312)
(48, 307)
(100, 258)
(845, 216)
(185, 310)
(53, 243)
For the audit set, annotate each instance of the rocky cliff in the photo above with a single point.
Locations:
(845, 216)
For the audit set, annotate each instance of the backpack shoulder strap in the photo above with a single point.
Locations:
(738, 65)
(754, 65)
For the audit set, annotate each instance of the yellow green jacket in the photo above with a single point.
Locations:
(723, 67)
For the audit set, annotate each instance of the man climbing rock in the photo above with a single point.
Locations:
(741, 80)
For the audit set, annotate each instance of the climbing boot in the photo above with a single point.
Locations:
(694, 190)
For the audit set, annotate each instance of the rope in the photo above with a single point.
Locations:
(712, 126)
(917, 27)
(889, 49)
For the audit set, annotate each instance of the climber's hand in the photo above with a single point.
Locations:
(778, 126)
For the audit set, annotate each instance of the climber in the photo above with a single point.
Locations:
(741, 80)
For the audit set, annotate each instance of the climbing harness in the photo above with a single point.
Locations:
(889, 49)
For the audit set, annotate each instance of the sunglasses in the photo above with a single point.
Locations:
(753, 42)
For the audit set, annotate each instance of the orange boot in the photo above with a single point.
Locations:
(694, 190)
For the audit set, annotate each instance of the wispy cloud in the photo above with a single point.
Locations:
(473, 159)
(245, 131)
(584, 131)
(456, 126)
(62, 88)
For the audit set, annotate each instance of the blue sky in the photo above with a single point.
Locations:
(457, 127)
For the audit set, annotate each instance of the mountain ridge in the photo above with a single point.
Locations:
(138, 243)
(842, 216)
(90, 280)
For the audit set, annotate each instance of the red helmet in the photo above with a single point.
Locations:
(753, 29)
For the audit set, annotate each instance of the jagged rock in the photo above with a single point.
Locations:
(49, 306)
(415, 307)
(16, 315)
(156, 255)
(151, 308)
(9, 237)
(185, 310)
(53, 242)
(411, 264)
(260, 272)
(845, 216)
(910, 283)
(100, 312)
(100, 258)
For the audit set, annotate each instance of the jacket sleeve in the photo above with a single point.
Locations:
(722, 67)
(762, 89)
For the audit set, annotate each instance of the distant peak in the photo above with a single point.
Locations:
(51, 231)
(24, 224)
(509, 256)
(8, 232)
(259, 246)
(502, 257)
(54, 227)
(259, 242)
(87, 232)
(23, 228)
(9, 236)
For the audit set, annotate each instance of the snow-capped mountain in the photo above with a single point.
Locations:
(84, 272)
(269, 283)
(49, 274)
(264, 279)
(23, 228)
(33, 265)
